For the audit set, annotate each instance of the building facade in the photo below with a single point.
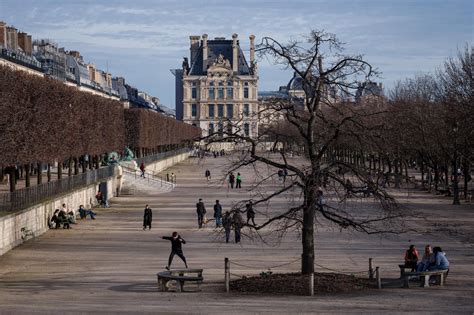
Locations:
(219, 87)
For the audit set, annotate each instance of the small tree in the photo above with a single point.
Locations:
(332, 135)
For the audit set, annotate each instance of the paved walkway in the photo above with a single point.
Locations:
(110, 264)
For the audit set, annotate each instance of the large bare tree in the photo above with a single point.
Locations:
(332, 135)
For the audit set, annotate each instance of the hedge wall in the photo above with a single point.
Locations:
(43, 120)
(149, 129)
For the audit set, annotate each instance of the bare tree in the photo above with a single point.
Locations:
(331, 134)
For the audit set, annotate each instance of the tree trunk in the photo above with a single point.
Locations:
(27, 175)
(69, 167)
(48, 172)
(307, 235)
(466, 175)
(60, 170)
(76, 166)
(12, 173)
(40, 173)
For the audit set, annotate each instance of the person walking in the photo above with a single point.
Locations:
(201, 211)
(227, 224)
(250, 213)
(238, 183)
(142, 169)
(237, 222)
(231, 180)
(176, 248)
(218, 213)
(208, 175)
(147, 217)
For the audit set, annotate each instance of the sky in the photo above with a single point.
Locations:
(142, 40)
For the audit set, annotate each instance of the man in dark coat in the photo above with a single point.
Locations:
(147, 217)
(227, 223)
(218, 213)
(176, 241)
(201, 211)
(250, 213)
(231, 180)
(237, 221)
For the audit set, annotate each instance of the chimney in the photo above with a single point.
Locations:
(252, 49)
(235, 53)
(23, 42)
(205, 53)
(193, 48)
(12, 38)
(3, 34)
(30, 44)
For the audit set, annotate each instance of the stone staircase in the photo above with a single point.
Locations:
(133, 182)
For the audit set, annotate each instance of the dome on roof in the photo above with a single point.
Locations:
(296, 83)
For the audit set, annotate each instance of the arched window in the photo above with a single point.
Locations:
(220, 90)
(230, 93)
(246, 90)
(211, 90)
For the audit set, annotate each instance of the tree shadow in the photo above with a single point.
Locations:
(144, 287)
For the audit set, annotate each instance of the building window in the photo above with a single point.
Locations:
(246, 130)
(246, 110)
(220, 90)
(211, 110)
(193, 90)
(211, 90)
(220, 130)
(193, 110)
(211, 128)
(230, 94)
(246, 90)
(229, 129)
(230, 110)
(220, 110)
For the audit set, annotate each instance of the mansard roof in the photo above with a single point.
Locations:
(216, 47)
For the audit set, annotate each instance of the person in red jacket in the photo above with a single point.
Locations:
(411, 258)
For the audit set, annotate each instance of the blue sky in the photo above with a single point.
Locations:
(142, 39)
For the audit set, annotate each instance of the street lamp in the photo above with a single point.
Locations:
(455, 166)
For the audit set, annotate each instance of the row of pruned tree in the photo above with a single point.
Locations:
(45, 122)
(429, 124)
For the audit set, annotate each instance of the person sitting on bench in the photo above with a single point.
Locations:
(411, 258)
(83, 213)
(427, 260)
(440, 260)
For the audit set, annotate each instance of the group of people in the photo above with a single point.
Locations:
(65, 217)
(237, 180)
(225, 219)
(433, 259)
(101, 199)
(171, 177)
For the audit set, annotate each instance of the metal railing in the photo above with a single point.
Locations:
(160, 156)
(29, 196)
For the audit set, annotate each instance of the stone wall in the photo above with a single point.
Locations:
(20, 226)
(159, 166)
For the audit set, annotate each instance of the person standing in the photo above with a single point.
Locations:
(238, 183)
(237, 222)
(208, 174)
(201, 211)
(218, 213)
(231, 180)
(147, 217)
(176, 248)
(173, 178)
(142, 169)
(227, 223)
(250, 213)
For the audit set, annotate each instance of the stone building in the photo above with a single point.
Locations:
(219, 87)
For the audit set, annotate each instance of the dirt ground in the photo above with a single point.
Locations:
(109, 265)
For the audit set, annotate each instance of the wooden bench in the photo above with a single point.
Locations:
(402, 270)
(181, 276)
(425, 277)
